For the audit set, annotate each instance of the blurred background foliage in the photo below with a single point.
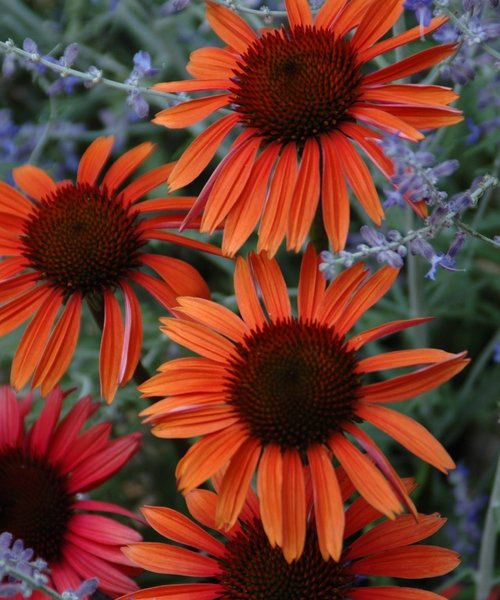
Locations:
(52, 128)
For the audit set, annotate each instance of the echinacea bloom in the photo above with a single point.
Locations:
(245, 565)
(44, 471)
(304, 104)
(278, 395)
(65, 242)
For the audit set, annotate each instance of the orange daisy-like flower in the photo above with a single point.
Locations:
(68, 241)
(44, 471)
(306, 104)
(245, 565)
(279, 395)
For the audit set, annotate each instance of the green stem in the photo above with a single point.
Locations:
(317, 235)
(486, 564)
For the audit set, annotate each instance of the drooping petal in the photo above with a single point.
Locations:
(10, 418)
(60, 346)
(190, 112)
(34, 339)
(294, 506)
(269, 487)
(410, 434)
(132, 334)
(328, 505)
(334, 195)
(305, 196)
(236, 483)
(111, 347)
(367, 479)
(276, 210)
(200, 152)
(94, 159)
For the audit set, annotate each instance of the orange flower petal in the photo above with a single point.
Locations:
(328, 505)
(366, 296)
(111, 347)
(180, 591)
(426, 117)
(160, 290)
(299, 12)
(311, 285)
(294, 506)
(402, 358)
(191, 85)
(391, 593)
(190, 112)
(409, 94)
(410, 385)
(269, 484)
(374, 152)
(126, 165)
(145, 183)
(33, 342)
(229, 184)
(375, 333)
(94, 159)
(187, 242)
(215, 316)
(383, 119)
(34, 181)
(413, 562)
(412, 64)
(21, 308)
(60, 348)
(401, 39)
(243, 218)
(231, 28)
(305, 196)
(410, 434)
(202, 505)
(351, 16)
(198, 338)
(375, 23)
(14, 203)
(207, 63)
(272, 285)
(276, 210)
(200, 152)
(367, 479)
(183, 278)
(198, 421)
(236, 483)
(132, 334)
(175, 526)
(403, 531)
(171, 560)
(12, 266)
(328, 12)
(208, 456)
(246, 296)
(334, 195)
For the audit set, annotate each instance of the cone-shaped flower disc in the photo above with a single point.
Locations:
(65, 242)
(305, 103)
(43, 471)
(244, 565)
(280, 395)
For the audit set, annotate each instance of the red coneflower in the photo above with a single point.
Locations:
(279, 394)
(66, 242)
(306, 104)
(42, 473)
(245, 565)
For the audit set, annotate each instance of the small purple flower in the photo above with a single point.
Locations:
(173, 6)
(422, 10)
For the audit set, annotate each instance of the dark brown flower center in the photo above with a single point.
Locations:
(34, 504)
(82, 239)
(294, 383)
(252, 570)
(296, 84)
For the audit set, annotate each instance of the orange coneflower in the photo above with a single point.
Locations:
(305, 104)
(245, 565)
(277, 393)
(65, 242)
(44, 471)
